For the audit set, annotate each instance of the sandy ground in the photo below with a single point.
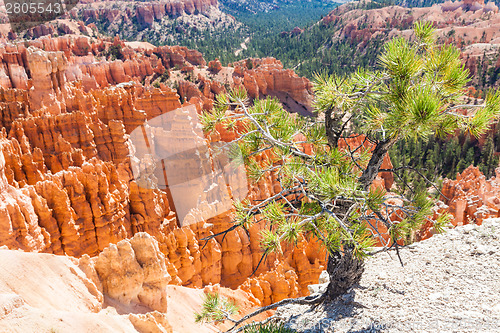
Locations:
(450, 283)
(48, 293)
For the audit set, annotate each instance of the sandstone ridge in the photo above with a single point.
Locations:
(124, 289)
(68, 106)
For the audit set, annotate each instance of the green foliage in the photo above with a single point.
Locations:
(425, 83)
(315, 51)
(438, 158)
(286, 16)
(215, 308)
(268, 127)
(424, 31)
(164, 77)
(478, 124)
(213, 43)
(411, 96)
(114, 52)
(443, 221)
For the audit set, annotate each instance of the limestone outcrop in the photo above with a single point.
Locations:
(134, 270)
(471, 198)
(67, 110)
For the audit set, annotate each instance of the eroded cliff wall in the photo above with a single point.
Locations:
(67, 110)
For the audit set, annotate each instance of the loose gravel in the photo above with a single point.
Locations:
(449, 283)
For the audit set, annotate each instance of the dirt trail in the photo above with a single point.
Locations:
(243, 46)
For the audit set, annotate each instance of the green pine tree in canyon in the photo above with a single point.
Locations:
(327, 182)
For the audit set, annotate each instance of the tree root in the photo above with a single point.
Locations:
(307, 300)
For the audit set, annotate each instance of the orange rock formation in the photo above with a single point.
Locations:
(471, 24)
(266, 77)
(65, 175)
(134, 271)
(147, 12)
(471, 197)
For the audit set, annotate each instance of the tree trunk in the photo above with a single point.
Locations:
(334, 127)
(373, 167)
(345, 270)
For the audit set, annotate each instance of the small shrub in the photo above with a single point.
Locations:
(215, 309)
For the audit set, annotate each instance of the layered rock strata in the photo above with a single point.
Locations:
(67, 111)
(67, 184)
(471, 198)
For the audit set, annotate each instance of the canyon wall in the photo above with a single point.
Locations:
(144, 12)
(470, 25)
(67, 111)
(159, 20)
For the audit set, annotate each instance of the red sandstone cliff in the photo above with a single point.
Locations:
(67, 186)
(65, 176)
(471, 198)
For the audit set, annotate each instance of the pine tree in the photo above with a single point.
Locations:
(328, 193)
(488, 161)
